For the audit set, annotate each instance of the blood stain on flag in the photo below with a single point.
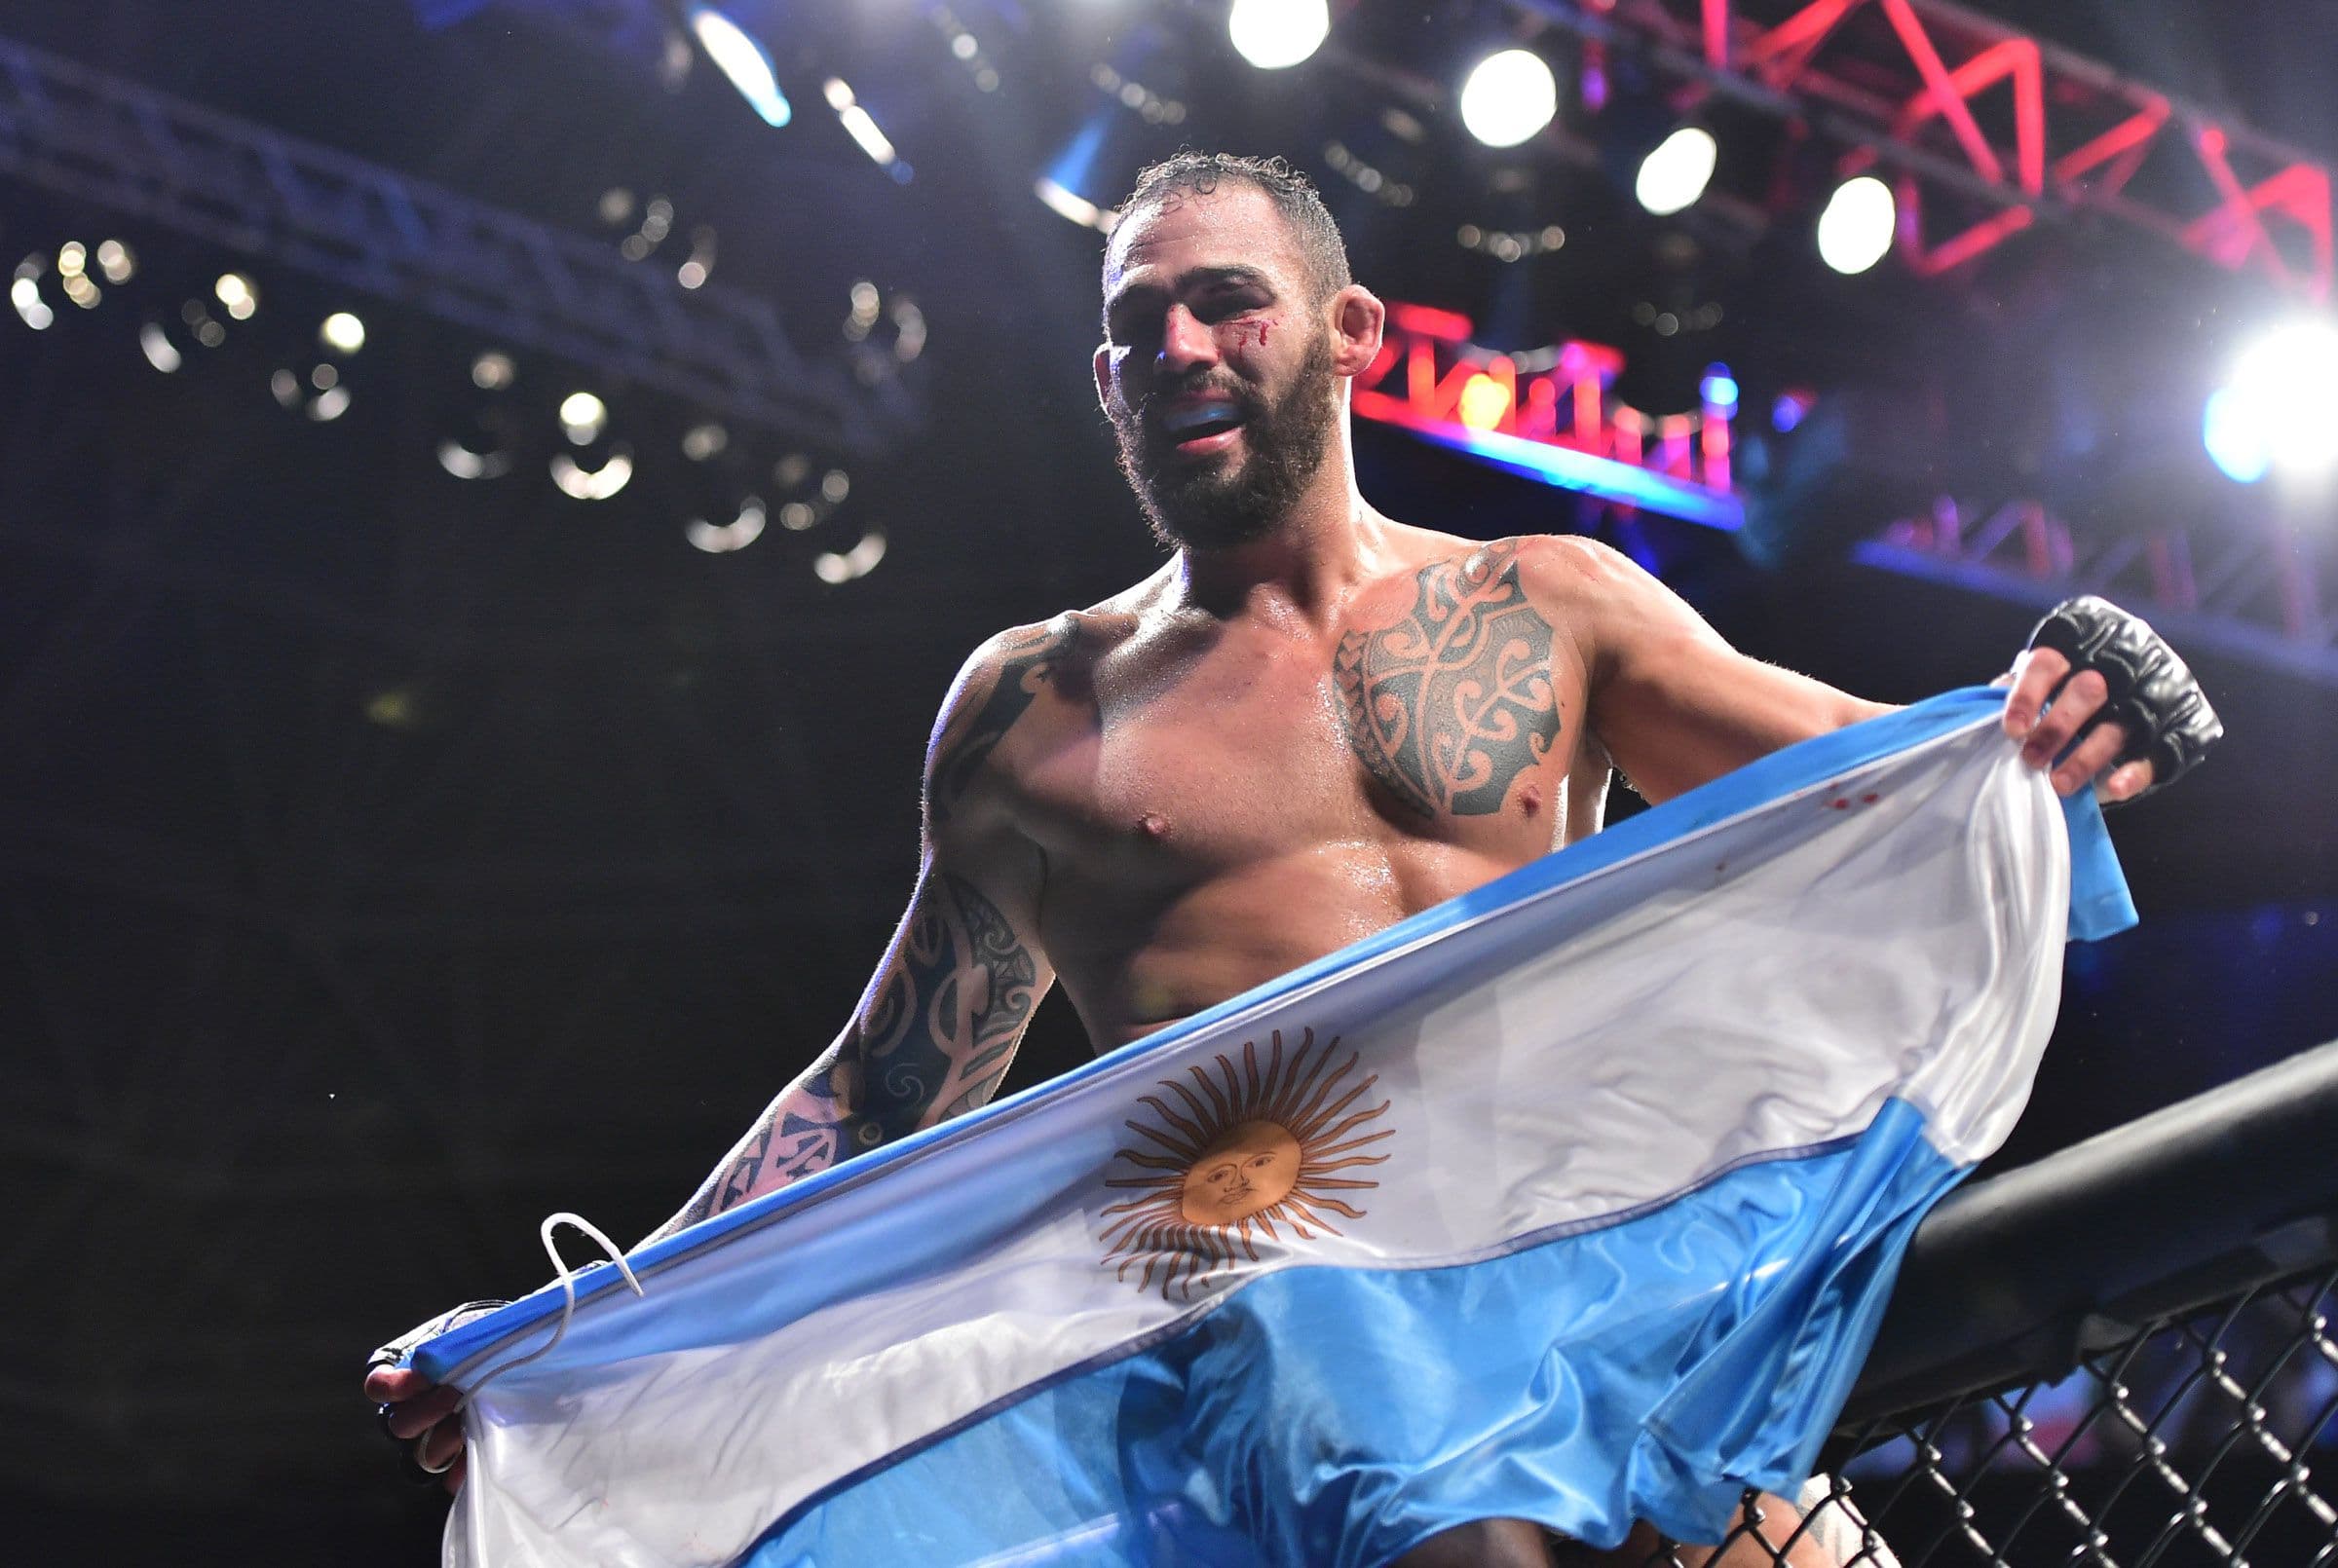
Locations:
(1244, 1149)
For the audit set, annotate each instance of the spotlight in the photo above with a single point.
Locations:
(1676, 174)
(600, 468)
(161, 352)
(342, 332)
(483, 447)
(580, 483)
(833, 567)
(1719, 389)
(1484, 402)
(863, 130)
(720, 539)
(72, 272)
(583, 417)
(493, 371)
(738, 56)
(2277, 411)
(169, 344)
(331, 400)
(1855, 230)
(24, 293)
(1509, 96)
(239, 295)
(1076, 177)
(1275, 34)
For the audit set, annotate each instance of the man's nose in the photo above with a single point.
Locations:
(1184, 341)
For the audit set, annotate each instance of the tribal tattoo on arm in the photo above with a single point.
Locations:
(1026, 662)
(1448, 706)
(932, 1040)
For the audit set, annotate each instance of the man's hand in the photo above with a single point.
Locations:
(416, 1414)
(2097, 696)
(421, 1415)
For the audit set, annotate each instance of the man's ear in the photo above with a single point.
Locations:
(1358, 319)
(1103, 363)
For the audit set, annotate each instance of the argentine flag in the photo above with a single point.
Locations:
(1574, 1199)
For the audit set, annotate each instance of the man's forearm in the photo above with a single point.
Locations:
(805, 1130)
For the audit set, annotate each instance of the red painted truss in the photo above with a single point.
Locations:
(1987, 130)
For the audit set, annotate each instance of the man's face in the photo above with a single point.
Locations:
(1217, 368)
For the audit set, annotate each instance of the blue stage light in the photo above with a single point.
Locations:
(1719, 388)
(2237, 443)
(737, 55)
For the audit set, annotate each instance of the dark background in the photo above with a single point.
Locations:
(387, 860)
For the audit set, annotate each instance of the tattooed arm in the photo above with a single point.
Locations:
(1671, 702)
(940, 1021)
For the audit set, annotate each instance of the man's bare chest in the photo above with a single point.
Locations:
(1444, 708)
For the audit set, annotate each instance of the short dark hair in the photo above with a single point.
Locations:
(1293, 194)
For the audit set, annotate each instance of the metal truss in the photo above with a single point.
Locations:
(99, 138)
(2239, 592)
(1551, 415)
(1989, 132)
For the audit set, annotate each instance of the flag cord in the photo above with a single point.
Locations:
(568, 1291)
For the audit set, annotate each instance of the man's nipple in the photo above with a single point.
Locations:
(1530, 798)
(1154, 826)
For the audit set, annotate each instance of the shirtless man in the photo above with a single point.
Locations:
(1256, 755)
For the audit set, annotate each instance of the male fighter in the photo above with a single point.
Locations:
(1310, 723)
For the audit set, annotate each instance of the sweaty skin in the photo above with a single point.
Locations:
(1310, 723)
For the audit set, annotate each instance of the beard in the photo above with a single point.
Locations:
(1212, 505)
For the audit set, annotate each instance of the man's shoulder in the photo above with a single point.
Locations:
(1547, 566)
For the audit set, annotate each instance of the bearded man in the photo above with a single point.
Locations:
(1210, 777)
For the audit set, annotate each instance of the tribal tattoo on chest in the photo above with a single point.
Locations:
(1451, 703)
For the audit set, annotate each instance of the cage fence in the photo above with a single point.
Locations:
(2123, 1357)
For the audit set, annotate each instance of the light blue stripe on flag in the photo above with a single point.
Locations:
(1337, 1417)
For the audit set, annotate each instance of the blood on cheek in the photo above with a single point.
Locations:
(1247, 333)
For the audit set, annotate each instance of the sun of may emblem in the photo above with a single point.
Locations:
(1231, 1153)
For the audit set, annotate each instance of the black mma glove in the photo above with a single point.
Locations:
(2152, 695)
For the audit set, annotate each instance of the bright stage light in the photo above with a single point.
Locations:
(1855, 230)
(1673, 175)
(1719, 389)
(863, 130)
(1273, 34)
(720, 539)
(738, 56)
(1484, 402)
(24, 293)
(581, 483)
(342, 332)
(833, 567)
(237, 293)
(581, 416)
(161, 352)
(1508, 98)
(2278, 412)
